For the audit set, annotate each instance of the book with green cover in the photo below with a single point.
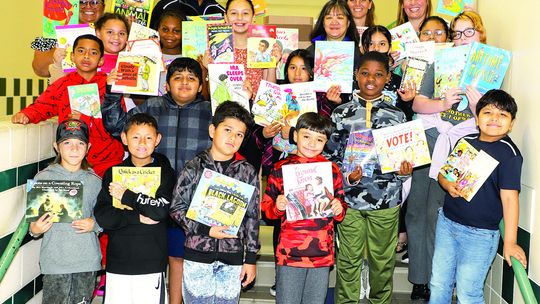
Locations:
(85, 99)
(62, 199)
(141, 10)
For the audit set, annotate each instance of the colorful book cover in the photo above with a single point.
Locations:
(421, 50)
(406, 141)
(260, 42)
(360, 151)
(150, 45)
(449, 65)
(62, 199)
(458, 161)
(140, 73)
(139, 32)
(485, 68)
(226, 83)
(401, 35)
(267, 105)
(220, 42)
(215, 18)
(309, 189)
(414, 72)
(220, 200)
(194, 40)
(475, 176)
(334, 61)
(85, 99)
(259, 6)
(141, 10)
(145, 180)
(59, 13)
(443, 45)
(287, 41)
(66, 35)
(453, 7)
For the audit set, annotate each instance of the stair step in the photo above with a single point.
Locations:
(257, 294)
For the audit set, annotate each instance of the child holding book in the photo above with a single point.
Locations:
(137, 249)
(467, 235)
(217, 264)
(305, 251)
(69, 256)
(372, 217)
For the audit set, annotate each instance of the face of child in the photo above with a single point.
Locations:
(170, 33)
(465, 26)
(90, 10)
(415, 9)
(226, 138)
(297, 71)
(494, 123)
(433, 31)
(72, 151)
(310, 143)
(86, 56)
(141, 141)
(379, 43)
(372, 77)
(183, 87)
(114, 36)
(335, 25)
(359, 8)
(240, 16)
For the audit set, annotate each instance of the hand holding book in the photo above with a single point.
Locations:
(217, 233)
(336, 207)
(281, 202)
(117, 190)
(83, 225)
(405, 168)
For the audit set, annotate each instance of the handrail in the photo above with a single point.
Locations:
(12, 247)
(521, 275)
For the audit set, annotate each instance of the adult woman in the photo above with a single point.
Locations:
(363, 12)
(413, 11)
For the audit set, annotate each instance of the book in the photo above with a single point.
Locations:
(220, 42)
(309, 189)
(334, 61)
(145, 180)
(260, 42)
(458, 160)
(66, 35)
(141, 10)
(287, 40)
(267, 105)
(453, 7)
(421, 50)
(401, 35)
(194, 40)
(151, 46)
(485, 67)
(449, 65)
(402, 142)
(220, 200)
(215, 18)
(139, 32)
(414, 72)
(226, 83)
(85, 99)
(140, 73)
(62, 199)
(59, 13)
(360, 151)
(259, 6)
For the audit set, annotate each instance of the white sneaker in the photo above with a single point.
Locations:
(273, 290)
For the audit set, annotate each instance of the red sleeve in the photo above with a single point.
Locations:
(273, 189)
(47, 105)
(339, 194)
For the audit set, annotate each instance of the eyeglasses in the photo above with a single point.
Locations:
(89, 2)
(430, 33)
(469, 32)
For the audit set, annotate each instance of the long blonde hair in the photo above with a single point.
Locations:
(402, 16)
(476, 21)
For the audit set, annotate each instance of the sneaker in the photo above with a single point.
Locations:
(405, 257)
(273, 290)
(420, 292)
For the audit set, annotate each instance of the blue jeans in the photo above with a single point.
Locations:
(215, 283)
(463, 255)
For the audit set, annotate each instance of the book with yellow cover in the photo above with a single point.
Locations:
(145, 180)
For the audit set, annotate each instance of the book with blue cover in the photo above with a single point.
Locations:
(360, 151)
(453, 7)
(449, 66)
(334, 62)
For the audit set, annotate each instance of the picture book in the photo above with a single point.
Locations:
(147, 46)
(85, 99)
(401, 35)
(62, 199)
(414, 72)
(260, 43)
(141, 10)
(475, 176)
(140, 73)
(220, 42)
(458, 161)
(139, 32)
(334, 61)
(66, 35)
(215, 18)
(485, 68)
(449, 65)
(443, 45)
(226, 83)
(309, 189)
(421, 50)
(193, 38)
(286, 41)
(360, 151)
(59, 13)
(259, 6)
(145, 180)
(453, 7)
(406, 141)
(220, 200)
(267, 105)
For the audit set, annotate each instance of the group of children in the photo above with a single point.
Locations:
(178, 133)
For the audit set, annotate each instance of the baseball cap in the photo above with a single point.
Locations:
(72, 128)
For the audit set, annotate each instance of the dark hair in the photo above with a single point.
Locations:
(141, 119)
(499, 99)
(232, 109)
(308, 62)
(111, 16)
(248, 1)
(370, 31)
(318, 30)
(437, 19)
(170, 13)
(222, 77)
(185, 64)
(375, 56)
(265, 42)
(314, 122)
(93, 38)
(370, 16)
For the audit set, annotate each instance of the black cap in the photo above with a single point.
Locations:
(72, 128)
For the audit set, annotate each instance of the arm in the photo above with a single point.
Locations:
(41, 62)
(338, 203)
(113, 115)
(274, 188)
(251, 222)
(448, 186)
(510, 202)
(46, 105)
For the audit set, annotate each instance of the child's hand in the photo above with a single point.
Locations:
(408, 92)
(20, 118)
(75, 114)
(217, 233)
(59, 55)
(42, 225)
(248, 89)
(281, 202)
(405, 168)
(249, 271)
(272, 130)
(334, 94)
(355, 175)
(452, 96)
(131, 19)
(113, 77)
(336, 207)
(206, 59)
(83, 225)
(513, 250)
(473, 95)
(285, 130)
(146, 220)
(117, 190)
(395, 57)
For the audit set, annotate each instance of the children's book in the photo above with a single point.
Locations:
(360, 151)
(145, 180)
(334, 61)
(449, 65)
(267, 105)
(194, 40)
(150, 45)
(287, 39)
(141, 10)
(220, 42)
(406, 141)
(485, 68)
(259, 6)
(414, 72)
(59, 13)
(443, 45)
(140, 73)
(453, 7)
(220, 200)
(226, 83)
(458, 161)
(66, 35)
(62, 199)
(85, 99)
(401, 35)
(421, 50)
(139, 32)
(215, 18)
(260, 42)
(309, 189)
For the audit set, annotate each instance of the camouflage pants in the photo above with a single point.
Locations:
(71, 288)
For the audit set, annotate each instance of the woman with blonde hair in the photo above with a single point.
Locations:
(413, 11)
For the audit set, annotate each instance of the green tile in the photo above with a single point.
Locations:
(8, 179)
(29, 88)
(536, 290)
(507, 292)
(26, 172)
(38, 284)
(23, 102)
(9, 105)
(524, 240)
(25, 294)
(16, 87)
(8, 301)
(5, 241)
(3, 87)
(41, 85)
